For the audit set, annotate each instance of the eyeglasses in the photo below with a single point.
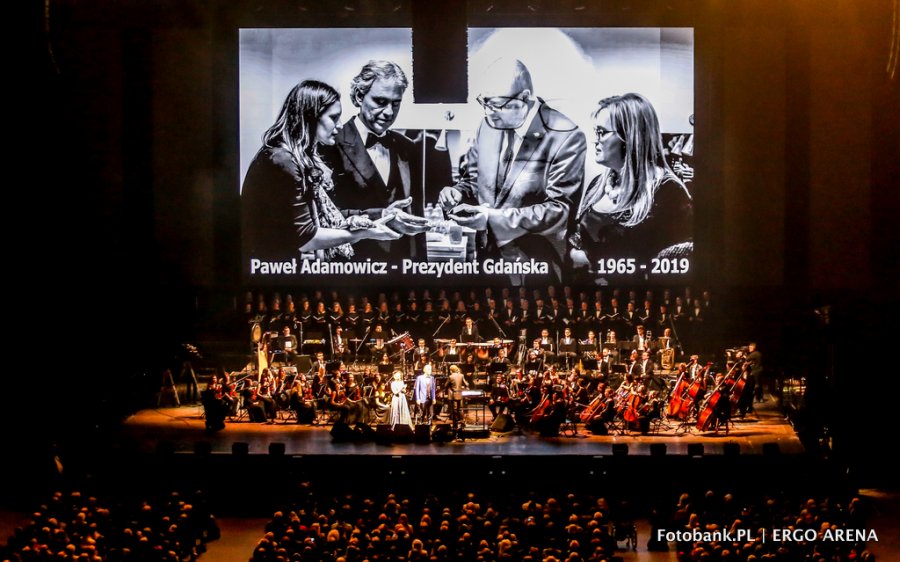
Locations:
(600, 132)
(491, 104)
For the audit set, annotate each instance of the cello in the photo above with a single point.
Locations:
(708, 412)
(738, 388)
(680, 401)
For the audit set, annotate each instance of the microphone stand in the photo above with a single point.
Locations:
(675, 335)
(496, 325)
(447, 319)
(331, 341)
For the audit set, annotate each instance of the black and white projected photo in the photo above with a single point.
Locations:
(570, 162)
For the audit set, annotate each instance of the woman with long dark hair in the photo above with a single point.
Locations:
(286, 209)
(637, 208)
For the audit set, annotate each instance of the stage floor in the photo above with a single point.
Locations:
(183, 427)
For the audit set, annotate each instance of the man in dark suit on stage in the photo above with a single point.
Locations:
(523, 175)
(375, 168)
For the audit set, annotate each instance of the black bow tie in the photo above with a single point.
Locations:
(372, 140)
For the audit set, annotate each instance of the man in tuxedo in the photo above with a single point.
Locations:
(375, 169)
(523, 174)
(469, 332)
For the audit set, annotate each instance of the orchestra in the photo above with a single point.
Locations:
(543, 357)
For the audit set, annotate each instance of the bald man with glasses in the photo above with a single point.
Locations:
(523, 175)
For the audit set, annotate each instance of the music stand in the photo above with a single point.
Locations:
(385, 369)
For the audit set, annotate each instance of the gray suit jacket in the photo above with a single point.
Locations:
(541, 190)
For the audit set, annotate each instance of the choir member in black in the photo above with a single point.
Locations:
(398, 318)
(428, 319)
(352, 322)
(509, 318)
(320, 319)
(368, 317)
(413, 319)
(384, 314)
(583, 319)
(630, 317)
(568, 316)
(499, 400)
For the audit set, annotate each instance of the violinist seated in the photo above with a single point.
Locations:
(604, 413)
(255, 410)
(500, 395)
(649, 410)
(265, 395)
(303, 402)
(214, 407)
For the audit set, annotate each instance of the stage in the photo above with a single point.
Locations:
(182, 430)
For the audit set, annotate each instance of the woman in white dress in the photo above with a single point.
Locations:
(399, 407)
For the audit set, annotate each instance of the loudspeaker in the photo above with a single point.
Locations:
(364, 432)
(597, 427)
(239, 448)
(548, 427)
(340, 431)
(695, 449)
(771, 449)
(620, 449)
(276, 449)
(403, 434)
(383, 433)
(504, 423)
(303, 364)
(731, 449)
(202, 448)
(657, 449)
(442, 433)
(423, 433)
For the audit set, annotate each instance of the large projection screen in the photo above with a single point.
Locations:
(549, 209)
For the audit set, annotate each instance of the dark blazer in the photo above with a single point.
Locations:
(359, 188)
